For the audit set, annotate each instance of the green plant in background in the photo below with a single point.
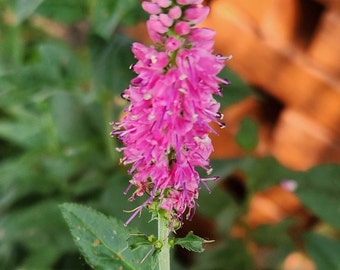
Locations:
(59, 64)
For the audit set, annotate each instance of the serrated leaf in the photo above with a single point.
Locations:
(102, 240)
(191, 242)
(324, 251)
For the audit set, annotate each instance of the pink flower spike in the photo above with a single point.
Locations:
(196, 14)
(175, 12)
(165, 128)
(151, 8)
(182, 28)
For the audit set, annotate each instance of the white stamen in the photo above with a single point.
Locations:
(205, 139)
(151, 117)
(153, 59)
(147, 96)
(222, 125)
(182, 90)
(183, 77)
(122, 160)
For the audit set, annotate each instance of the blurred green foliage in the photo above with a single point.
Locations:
(63, 65)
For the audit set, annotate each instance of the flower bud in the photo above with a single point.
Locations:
(166, 20)
(158, 245)
(182, 28)
(175, 12)
(163, 3)
(151, 8)
(171, 44)
(196, 14)
(184, 2)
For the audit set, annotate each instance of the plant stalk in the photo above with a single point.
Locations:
(163, 235)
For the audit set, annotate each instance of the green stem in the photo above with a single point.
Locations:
(163, 235)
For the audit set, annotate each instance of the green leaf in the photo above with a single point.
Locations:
(40, 230)
(25, 8)
(111, 60)
(220, 206)
(69, 119)
(260, 172)
(277, 242)
(263, 173)
(213, 203)
(102, 240)
(54, 62)
(137, 240)
(236, 91)
(22, 133)
(231, 254)
(324, 251)
(319, 190)
(247, 136)
(23, 176)
(107, 14)
(49, 65)
(65, 11)
(191, 242)
(225, 167)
